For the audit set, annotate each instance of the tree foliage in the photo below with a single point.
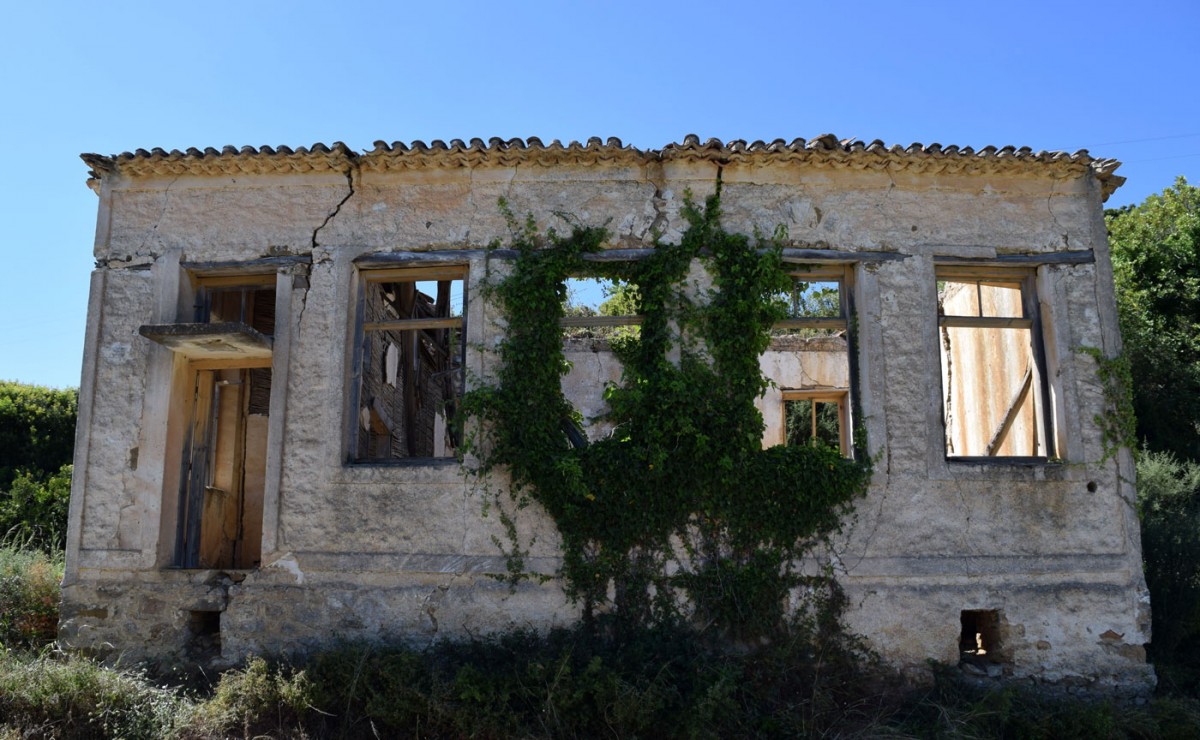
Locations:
(37, 439)
(1156, 263)
(34, 513)
(1169, 504)
(37, 429)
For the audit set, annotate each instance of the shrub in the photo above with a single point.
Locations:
(29, 597)
(660, 681)
(37, 429)
(954, 709)
(1169, 503)
(44, 695)
(35, 511)
(256, 700)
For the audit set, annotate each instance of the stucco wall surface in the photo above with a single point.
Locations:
(372, 551)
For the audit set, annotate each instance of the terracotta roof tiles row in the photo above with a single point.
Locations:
(823, 151)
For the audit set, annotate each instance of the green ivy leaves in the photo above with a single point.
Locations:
(682, 500)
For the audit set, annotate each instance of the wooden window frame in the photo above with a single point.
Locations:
(820, 274)
(842, 274)
(597, 322)
(839, 396)
(1031, 319)
(365, 277)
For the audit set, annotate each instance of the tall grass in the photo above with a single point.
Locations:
(63, 696)
(567, 683)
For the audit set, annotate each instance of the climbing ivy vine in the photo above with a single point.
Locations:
(1119, 422)
(680, 505)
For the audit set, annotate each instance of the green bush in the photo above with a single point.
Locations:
(29, 597)
(575, 683)
(570, 683)
(258, 700)
(954, 709)
(34, 513)
(1169, 503)
(37, 429)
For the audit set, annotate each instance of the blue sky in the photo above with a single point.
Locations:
(1116, 78)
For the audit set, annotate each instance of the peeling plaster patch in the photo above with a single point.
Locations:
(287, 562)
(803, 213)
(117, 353)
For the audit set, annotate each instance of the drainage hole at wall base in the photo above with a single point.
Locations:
(204, 634)
(980, 652)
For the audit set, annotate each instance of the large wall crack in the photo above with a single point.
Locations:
(1066, 237)
(338, 208)
(654, 176)
(166, 201)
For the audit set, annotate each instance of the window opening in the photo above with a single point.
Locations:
(599, 308)
(993, 365)
(808, 361)
(979, 643)
(410, 363)
(817, 419)
(814, 303)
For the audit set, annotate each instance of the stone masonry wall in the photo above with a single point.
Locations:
(363, 551)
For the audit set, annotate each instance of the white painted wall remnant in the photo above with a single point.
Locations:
(1040, 548)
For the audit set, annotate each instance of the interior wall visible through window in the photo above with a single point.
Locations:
(993, 376)
(808, 361)
(409, 363)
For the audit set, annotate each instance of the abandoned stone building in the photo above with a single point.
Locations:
(277, 340)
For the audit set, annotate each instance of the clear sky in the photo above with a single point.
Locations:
(1116, 78)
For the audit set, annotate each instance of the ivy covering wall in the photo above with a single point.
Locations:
(680, 513)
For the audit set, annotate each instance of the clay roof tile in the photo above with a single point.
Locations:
(824, 150)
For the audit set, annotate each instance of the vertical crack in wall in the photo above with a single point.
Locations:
(302, 283)
(887, 193)
(166, 200)
(654, 175)
(1066, 238)
(350, 170)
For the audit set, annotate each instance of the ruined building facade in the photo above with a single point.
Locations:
(277, 341)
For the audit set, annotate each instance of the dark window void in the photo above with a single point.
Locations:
(410, 364)
(979, 641)
(253, 306)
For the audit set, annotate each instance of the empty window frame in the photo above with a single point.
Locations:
(408, 363)
(599, 308)
(815, 303)
(817, 418)
(995, 399)
(808, 360)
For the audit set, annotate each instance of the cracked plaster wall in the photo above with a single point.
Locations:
(362, 551)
